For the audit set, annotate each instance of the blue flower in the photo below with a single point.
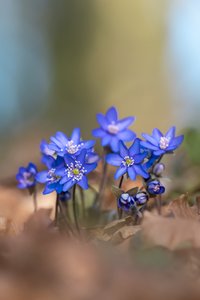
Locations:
(160, 143)
(75, 171)
(154, 187)
(46, 152)
(128, 160)
(126, 201)
(158, 169)
(112, 130)
(62, 145)
(26, 176)
(51, 177)
(141, 198)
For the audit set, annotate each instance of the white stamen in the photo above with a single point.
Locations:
(164, 142)
(70, 171)
(128, 161)
(73, 148)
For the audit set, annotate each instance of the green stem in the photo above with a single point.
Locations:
(74, 207)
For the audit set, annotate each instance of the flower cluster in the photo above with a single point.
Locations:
(69, 159)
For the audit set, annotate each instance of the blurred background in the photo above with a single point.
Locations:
(63, 61)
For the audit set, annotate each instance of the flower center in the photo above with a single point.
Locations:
(164, 142)
(52, 177)
(156, 188)
(128, 161)
(113, 129)
(28, 177)
(75, 171)
(73, 148)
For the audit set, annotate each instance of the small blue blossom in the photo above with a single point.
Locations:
(154, 187)
(26, 176)
(128, 160)
(112, 130)
(141, 198)
(46, 152)
(158, 169)
(160, 143)
(62, 145)
(75, 171)
(126, 201)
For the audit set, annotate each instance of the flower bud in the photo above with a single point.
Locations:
(158, 169)
(126, 201)
(154, 187)
(141, 198)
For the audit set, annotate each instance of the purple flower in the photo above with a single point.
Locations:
(141, 198)
(158, 169)
(160, 143)
(62, 145)
(112, 130)
(154, 187)
(26, 176)
(128, 160)
(126, 201)
(75, 171)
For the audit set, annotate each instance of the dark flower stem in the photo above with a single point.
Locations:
(82, 201)
(119, 210)
(35, 199)
(56, 209)
(158, 203)
(103, 178)
(74, 207)
(65, 217)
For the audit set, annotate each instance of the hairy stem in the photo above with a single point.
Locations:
(74, 207)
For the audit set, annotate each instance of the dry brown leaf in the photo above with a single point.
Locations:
(170, 232)
(124, 233)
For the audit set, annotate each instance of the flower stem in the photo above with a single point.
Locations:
(82, 201)
(119, 210)
(103, 179)
(158, 203)
(74, 207)
(65, 217)
(56, 209)
(35, 199)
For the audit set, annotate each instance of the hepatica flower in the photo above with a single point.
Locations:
(112, 130)
(154, 187)
(160, 143)
(26, 176)
(126, 201)
(75, 171)
(62, 145)
(128, 160)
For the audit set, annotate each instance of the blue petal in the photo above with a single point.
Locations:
(140, 171)
(60, 171)
(175, 143)
(131, 173)
(159, 152)
(111, 115)
(42, 176)
(121, 171)
(83, 183)
(56, 141)
(67, 186)
(106, 140)
(150, 139)
(157, 134)
(76, 135)
(138, 158)
(114, 144)
(126, 135)
(32, 168)
(102, 121)
(22, 185)
(171, 132)
(162, 189)
(68, 159)
(98, 132)
(123, 150)
(81, 156)
(90, 167)
(124, 123)
(148, 145)
(48, 189)
(135, 148)
(89, 144)
(114, 159)
(64, 179)
(61, 137)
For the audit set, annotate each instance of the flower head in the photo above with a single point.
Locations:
(141, 198)
(112, 130)
(160, 143)
(75, 171)
(126, 201)
(154, 187)
(158, 169)
(62, 145)
(26, 176)
(128, 160)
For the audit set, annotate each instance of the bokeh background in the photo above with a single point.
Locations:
(63, 61)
